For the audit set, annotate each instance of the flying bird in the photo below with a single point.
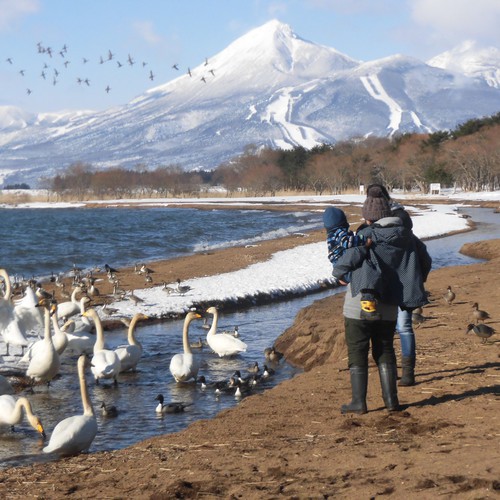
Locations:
(28, 91)
(175, 66)
(130, 60)
(110, 55)
(9, 60)
(107, 89)
(203, 79)
(151, 76)
(189, 72)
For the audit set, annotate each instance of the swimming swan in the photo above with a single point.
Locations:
(184, 366)
(105, 363)
(223, 344)
(75, 434)
(11, 412)
(131, 354)
(44, 363)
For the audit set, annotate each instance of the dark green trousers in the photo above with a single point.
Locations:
(359, 334)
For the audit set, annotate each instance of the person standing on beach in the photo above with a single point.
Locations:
(392, 255)
(404, 324)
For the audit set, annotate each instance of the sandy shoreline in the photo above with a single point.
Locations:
(292, 440)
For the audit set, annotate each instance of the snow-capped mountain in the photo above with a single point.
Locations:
(267, 88)
(467, 58)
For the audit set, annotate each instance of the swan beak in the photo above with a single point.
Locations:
(53, 309)
(40, 429)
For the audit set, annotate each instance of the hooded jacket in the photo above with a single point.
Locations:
(395, 265)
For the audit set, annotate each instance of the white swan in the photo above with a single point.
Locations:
(73, 306)
(9, 325)
(184, 366)
(105, 363)
(223, 344)
(75, 434)
(59, 339)
(44, 363)
(131, 354)
(5, 387)
(11, 412)
(28, 315)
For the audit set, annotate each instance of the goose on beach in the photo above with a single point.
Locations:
(184, 366)
(75, 434)
(223, 344)
(11, 412)
(130, 354)
(44, 363)
(483, 331)
(105, 363)
(479, 315)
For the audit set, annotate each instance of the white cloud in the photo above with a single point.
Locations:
(13, 10)
(146, 30)
(356, 6)
(453, 21)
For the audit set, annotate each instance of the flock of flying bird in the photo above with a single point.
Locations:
(56, 63)
(38, 309)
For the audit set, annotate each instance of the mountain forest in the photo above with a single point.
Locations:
(466, 158)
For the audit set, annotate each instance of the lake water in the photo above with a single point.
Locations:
(136, 392)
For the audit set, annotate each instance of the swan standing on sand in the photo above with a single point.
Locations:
(44, 363)
(184, 366)
(11, 412)
(223, 344)
(131, 354)
(105, 363)
(9, 325)
(75, 434)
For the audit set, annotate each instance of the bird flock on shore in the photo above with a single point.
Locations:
(75, 327)
(55, 64)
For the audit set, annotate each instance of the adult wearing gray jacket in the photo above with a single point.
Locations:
(394, 258)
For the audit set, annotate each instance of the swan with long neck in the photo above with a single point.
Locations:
(223, 344)
(105, 363)
(44, 363)
(73, 306)
(184, 366)
(9, 324)
(75, 434)
(11, 412)
(131, 354)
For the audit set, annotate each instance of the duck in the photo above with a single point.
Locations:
(11, 412)
(75, 434)
(272, 355)
(268, 372)
(169, 407)
(219, 385)
(483, 331)
(105, 363)
(108, 411)
(417, 319)
(182, 289)
(478, 314)
(184, 366)
(223, 344)
(449, 296)
(134, 298)
(131, 354)
(197, 345)
(5, 386)
(45, 363)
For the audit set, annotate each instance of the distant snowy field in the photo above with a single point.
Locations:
(290, 272)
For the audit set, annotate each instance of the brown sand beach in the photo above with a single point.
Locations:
(292, 441)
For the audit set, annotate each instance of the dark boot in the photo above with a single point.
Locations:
(408, 366)
(388, 380)
(359, 385)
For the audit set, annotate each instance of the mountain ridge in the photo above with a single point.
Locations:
(267, 88)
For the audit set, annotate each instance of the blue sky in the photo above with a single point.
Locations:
(160, 33)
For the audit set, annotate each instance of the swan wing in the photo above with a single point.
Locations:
(72, 435)
(44, 364)
(129, 356)
(105, 364)
(184, 367)
(226, 345)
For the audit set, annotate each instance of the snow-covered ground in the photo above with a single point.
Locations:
(296, 271)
